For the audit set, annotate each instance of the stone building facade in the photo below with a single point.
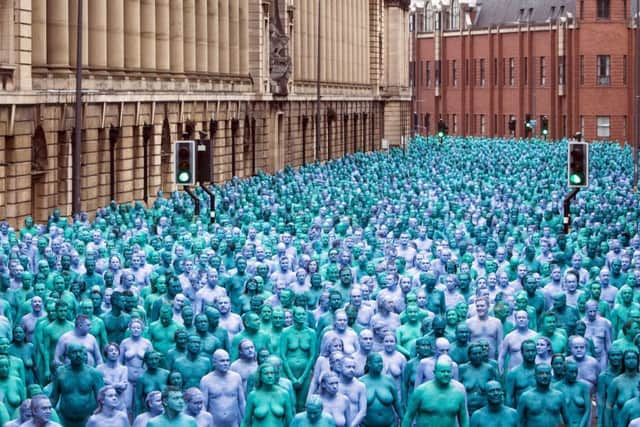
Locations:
(240, 71)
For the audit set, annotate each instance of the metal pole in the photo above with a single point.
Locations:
(637, 101)
(76, 148)
(414, 51)
(318, 59)
(566, 220)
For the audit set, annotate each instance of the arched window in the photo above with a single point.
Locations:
(428, 18)
(455, 15)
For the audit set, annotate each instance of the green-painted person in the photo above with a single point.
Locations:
(75, 388)
(268, 405)
(542, 406)
(495, 413)
(173, 416)
(314, 415)
(154, 378)
(438, 402)
(577, 396)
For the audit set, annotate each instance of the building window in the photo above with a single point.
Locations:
(473, 72)
(525, 72)
(495, 71)
(437, 76)
(495, 124)
(482, 73)
(561, 70)
(624, 128)
(564, 125)
(512, 72)
(482, 125)
(454, 73)
(412, 67)
(427, 71)
(543, 71)
(455, 15)
(428, 19)
(604, 126)
(604, 70)
(427, 122)
(603, 9)
(624, 69)
(581, 69)
(454, 122)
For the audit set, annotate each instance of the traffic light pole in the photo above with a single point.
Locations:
(212, 202)
(195, 199)
(566, 220)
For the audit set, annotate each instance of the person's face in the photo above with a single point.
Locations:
(248, 350)
(366, 340)
(349, 368)
(443, 373)
(529, 352)
(314, 413)
(224, 305)
(84, 327)
(542, 348)
(196, 404)
(442, 347)
(341, 322)
(578, 348)
(174, 402)
(389, 344)
(631, 361)
(42, 411)
(76, 356)
(495, 394)
(592, 311)
(543, 375)
(165, 316)
(331, 385)
(481, 307)
(522, 319)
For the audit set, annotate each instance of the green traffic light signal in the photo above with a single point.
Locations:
(576, 179)
(183, 177)
(440, 134)
(545, 132)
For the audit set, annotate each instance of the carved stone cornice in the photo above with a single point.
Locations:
(404, 4)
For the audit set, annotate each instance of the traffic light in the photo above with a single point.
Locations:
(442, 128)
(544, 128)
(578, 165)
(185, 162)
(512, 125)
(528, 126)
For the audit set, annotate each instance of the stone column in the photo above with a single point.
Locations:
(115, 33)
(57, 33)
(326, 40)
(73, 31)
(341, 41)
(313, 38)
(39, 32)
(163, 61)
(189, 31)
(202, 35)
(333, 19)
(365, 43)
(148, 34)
(132, 34)
(98, 34)
(350, 41)
(223, 35)
(234, 37)
(212, 37)
(244, 37)
(175, 36)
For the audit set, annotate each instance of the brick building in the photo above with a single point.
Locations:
(243, 71)
(481, 64)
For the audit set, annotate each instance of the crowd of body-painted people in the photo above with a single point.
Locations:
(433, 287)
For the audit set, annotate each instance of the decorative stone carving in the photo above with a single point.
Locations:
(39, 154)
(280, 60)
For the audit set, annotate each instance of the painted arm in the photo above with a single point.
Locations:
(247, 415)
(586, 418)
(502, 355)
(612, 396)
(463, 415)
(397, 405)
(362, 408)
(601, 401)
(510, 389)
(412, 410)
(522, 411)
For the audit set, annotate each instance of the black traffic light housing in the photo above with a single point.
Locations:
(512, 126)
(578, 165)
(443, 129)
(544, 126)
(528, 127)
(185, 162)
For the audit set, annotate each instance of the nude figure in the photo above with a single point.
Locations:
(484, 326)
(510, 349)
(223, 392)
